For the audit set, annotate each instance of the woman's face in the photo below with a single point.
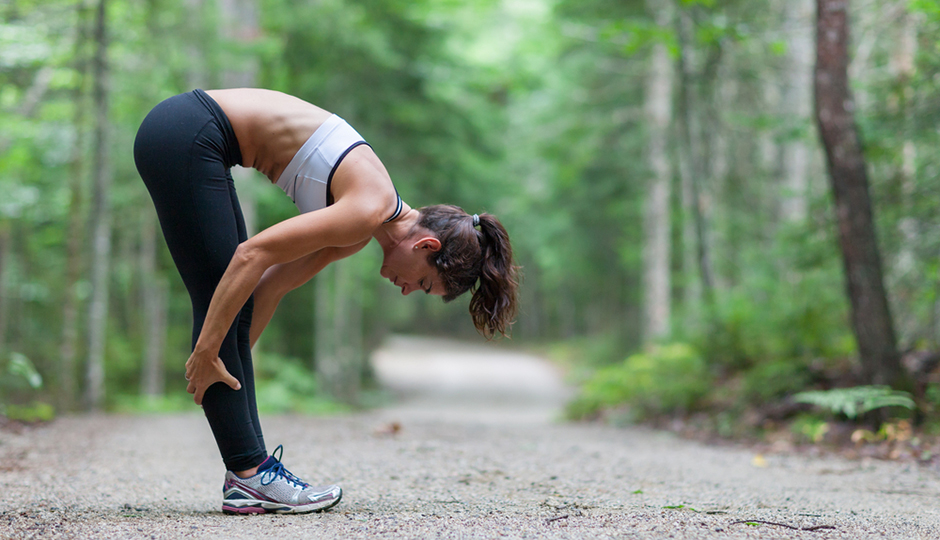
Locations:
(407, 266)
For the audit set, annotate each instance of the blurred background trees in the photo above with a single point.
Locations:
(656, 163)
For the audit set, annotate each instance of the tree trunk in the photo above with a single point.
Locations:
(239, 25)
(797, 107)
(338, 321)
(100, 218)
(4, 301)
(905, 263)
(348, 331)
(871, 317)
(698, 275)
(153, 299)
(323, 339)
(656, 247)
(68, 349)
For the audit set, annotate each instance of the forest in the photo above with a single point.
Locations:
(713, 208)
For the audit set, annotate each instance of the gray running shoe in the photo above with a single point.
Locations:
(276, 490)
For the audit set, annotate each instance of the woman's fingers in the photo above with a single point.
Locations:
(200, 382)
(232, 381)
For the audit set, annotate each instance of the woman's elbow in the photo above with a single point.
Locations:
(249, 258)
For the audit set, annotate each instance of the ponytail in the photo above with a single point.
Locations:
(478, 260)
(493, 304)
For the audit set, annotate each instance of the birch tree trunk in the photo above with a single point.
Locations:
(100, 218)
(691, 286)
(797, 106)
(656, 247)
(871, 317)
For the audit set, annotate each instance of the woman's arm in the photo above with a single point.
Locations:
(347, 223)
(283, 278)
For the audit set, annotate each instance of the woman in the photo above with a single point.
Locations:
(184, 151)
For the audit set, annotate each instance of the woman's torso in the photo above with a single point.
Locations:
(270, 126)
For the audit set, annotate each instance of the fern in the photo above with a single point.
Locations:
(857, 400)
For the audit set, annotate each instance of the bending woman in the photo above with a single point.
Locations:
(184, 151)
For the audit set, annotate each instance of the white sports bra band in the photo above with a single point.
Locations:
(329, 180)
(306, 179)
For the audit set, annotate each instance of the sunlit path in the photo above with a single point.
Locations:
(438, 379)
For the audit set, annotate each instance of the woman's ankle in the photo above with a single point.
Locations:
(247, 473)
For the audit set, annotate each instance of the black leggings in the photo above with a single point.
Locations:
(184, 151)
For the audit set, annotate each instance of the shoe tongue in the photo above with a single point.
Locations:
(267, 464)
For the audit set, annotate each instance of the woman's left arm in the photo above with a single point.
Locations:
(280, 279)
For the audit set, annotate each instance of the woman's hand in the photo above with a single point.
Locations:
(203, 371)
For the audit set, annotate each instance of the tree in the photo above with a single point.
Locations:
(100, 217)
(68, 348)
(656, 246)
(871, 317)
(796, 103)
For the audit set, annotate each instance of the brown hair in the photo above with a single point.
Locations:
(474, 260)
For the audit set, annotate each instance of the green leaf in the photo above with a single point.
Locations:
(857, 400)
(22, 367)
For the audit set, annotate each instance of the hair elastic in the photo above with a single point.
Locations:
(476, 220)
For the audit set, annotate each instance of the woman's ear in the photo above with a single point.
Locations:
(428, 242)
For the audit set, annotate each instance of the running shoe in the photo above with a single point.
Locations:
(275, 489)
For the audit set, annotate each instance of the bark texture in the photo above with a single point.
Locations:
(100, 218)
(871, 317)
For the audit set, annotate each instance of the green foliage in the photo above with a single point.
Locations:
(932, 395)
(772, 380)
(531, 110)
(809, 428)
(20, 373)
(285, 385)
(664, 379)
(19, 382)
(37, 411)
(172, 402)
(856, 401)
(773, 315)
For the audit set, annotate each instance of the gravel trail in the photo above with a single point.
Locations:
(478, 453)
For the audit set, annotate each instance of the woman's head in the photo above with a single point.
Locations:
(475, 258)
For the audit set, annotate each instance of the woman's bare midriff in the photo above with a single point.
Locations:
(270, 126)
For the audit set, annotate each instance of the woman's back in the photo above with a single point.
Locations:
(270, 126)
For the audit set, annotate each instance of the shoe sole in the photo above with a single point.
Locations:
(254, 506)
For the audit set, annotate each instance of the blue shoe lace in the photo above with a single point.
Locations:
(278, 469)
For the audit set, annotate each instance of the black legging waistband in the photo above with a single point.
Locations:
(232, 153)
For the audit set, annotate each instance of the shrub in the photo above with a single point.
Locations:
(768, 381)
(19, 382)
(284, 384)
(661, 380)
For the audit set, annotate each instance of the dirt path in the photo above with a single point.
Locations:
(485, 459)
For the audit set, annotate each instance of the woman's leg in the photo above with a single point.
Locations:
(178, 153)
(244, 329)
(232, 414)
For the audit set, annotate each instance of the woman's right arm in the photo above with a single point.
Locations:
(347, 223)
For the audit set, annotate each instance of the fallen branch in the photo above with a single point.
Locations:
(556, 518)
(815, 528)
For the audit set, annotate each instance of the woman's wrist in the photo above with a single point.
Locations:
(202, 351)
